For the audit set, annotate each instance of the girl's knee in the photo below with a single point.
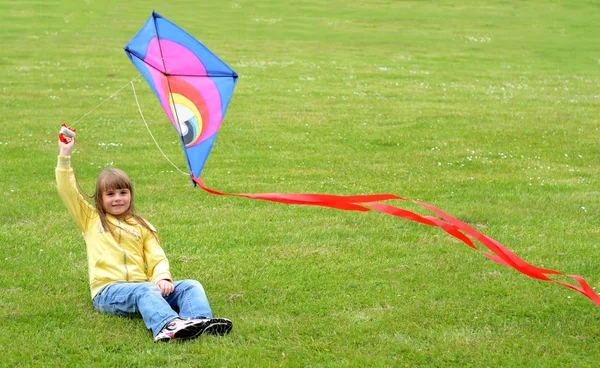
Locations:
(190, 284)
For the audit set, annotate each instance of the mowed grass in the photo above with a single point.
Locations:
(487, 110)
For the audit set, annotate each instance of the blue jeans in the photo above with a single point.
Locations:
(128, 299)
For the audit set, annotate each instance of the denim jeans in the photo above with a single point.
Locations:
(128, 299)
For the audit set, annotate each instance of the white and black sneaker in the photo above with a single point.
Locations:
(180, 329)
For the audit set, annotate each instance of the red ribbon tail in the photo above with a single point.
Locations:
(451, 225)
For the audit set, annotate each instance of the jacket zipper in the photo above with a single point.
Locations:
(124, 252)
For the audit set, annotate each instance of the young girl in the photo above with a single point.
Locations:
(127, 267)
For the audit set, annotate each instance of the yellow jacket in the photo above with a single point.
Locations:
(134, 256)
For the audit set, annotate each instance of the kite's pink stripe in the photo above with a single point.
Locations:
(449, 224)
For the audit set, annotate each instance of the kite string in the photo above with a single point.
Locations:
(141, 114)
(109, 98)
(148, 128)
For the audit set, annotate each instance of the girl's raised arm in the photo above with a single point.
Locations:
(68, 189)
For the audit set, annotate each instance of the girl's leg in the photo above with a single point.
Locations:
(190, 299)
(128, 299)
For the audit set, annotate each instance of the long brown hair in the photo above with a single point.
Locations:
(115, 179)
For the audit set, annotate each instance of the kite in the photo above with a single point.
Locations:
(195, 87)
(192, 84)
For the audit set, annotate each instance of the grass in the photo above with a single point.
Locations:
(487, 110)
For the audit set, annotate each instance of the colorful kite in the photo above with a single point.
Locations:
(194, 87)
(192, 84)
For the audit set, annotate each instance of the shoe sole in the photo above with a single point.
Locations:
(218, 327)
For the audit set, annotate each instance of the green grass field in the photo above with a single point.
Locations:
(487, 110)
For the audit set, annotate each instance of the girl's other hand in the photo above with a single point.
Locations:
(166, 287)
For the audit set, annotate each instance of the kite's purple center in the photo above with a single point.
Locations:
(193, 81)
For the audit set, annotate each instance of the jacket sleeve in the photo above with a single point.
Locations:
(78, 207)
(156, 260)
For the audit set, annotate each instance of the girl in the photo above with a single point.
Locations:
(127, 267)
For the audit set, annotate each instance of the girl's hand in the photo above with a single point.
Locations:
(65, 148)
(166, 287)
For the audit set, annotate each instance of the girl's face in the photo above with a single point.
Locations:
(116, 202)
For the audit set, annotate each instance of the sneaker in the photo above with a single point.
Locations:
(180, 329)
(216, 326)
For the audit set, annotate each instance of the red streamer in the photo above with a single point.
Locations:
(451, 225)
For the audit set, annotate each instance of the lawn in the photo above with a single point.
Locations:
(487, 110)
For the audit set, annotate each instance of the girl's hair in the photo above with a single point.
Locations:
(115, 179)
